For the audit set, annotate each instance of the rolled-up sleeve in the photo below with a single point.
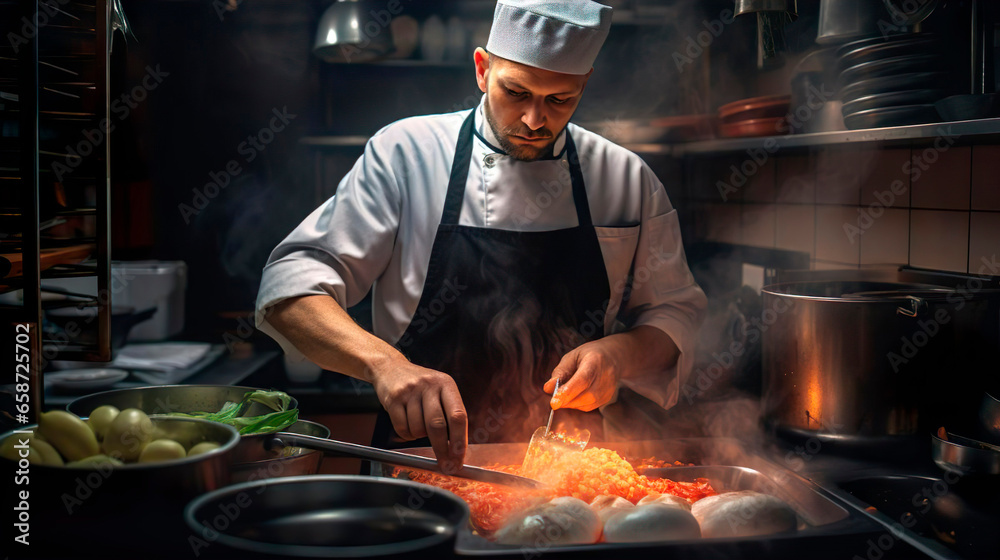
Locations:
(342, 247)
(664, 294)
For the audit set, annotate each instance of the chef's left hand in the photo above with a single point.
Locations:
(589, 375)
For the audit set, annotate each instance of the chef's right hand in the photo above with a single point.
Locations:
(423, 402)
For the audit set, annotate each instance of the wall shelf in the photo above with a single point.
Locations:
(956, 130)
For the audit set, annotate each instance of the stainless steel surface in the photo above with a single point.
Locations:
(730, 465)
(348, 32)
(752, 6)
(843, 20)
(965, 456)
(139, 506)
(358, 451)
(292, 517)
(842, 358)
(164, 399)
(290, 461)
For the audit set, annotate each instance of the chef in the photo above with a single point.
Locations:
(506, 249)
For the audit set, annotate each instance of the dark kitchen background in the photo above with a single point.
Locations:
(784, 152)
(229, 69)
(788, 156)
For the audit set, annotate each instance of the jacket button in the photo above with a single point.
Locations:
(489, 161)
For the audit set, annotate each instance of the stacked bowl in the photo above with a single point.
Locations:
(894, 80)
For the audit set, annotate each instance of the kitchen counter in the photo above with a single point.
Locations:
(261, 369)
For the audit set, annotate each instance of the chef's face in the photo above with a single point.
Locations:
(526, 107)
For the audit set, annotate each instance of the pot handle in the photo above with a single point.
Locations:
(917, 306)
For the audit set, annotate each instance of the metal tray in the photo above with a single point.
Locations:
(825, 528)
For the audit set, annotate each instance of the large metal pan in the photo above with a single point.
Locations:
(868, 359)
(330, 516)
(826, 529)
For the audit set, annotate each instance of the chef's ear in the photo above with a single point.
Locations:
(482, 59)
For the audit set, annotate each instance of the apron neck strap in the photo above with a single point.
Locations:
(460, 176)
(579, 190)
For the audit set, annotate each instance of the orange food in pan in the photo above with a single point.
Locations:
(591, 473)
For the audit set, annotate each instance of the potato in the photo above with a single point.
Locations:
(95, 461)
(128, 434)
(203, 447)
(101, 418)
(45, 453)
(161, 450)
(71, 436)
(9, 451)
(49, 454)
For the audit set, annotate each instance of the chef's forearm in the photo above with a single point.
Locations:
(319, 328)
(649, 350)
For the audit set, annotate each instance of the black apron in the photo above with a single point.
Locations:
(500, 308)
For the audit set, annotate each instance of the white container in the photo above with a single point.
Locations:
(144, 284)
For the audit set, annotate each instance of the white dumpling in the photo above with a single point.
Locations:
(563, 520)
(667, 499)
(606, 506)
(743, 514)
(651, 522)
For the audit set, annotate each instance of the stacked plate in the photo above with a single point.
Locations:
(757, 116)
(893, 81)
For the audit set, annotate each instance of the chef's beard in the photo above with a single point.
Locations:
(523, 153)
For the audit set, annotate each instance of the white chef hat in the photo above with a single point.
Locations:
(562, 36)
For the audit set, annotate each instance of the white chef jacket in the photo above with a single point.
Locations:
(377, 231)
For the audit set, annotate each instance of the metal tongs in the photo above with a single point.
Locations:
(345, 449)
(547, 447)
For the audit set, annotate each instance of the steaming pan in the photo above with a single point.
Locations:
(827, 528)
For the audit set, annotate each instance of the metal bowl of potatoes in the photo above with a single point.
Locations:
(131, 504)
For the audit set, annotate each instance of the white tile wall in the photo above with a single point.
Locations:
(945, 213)
(939, 239)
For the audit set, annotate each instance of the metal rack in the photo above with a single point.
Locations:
(66, 51)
